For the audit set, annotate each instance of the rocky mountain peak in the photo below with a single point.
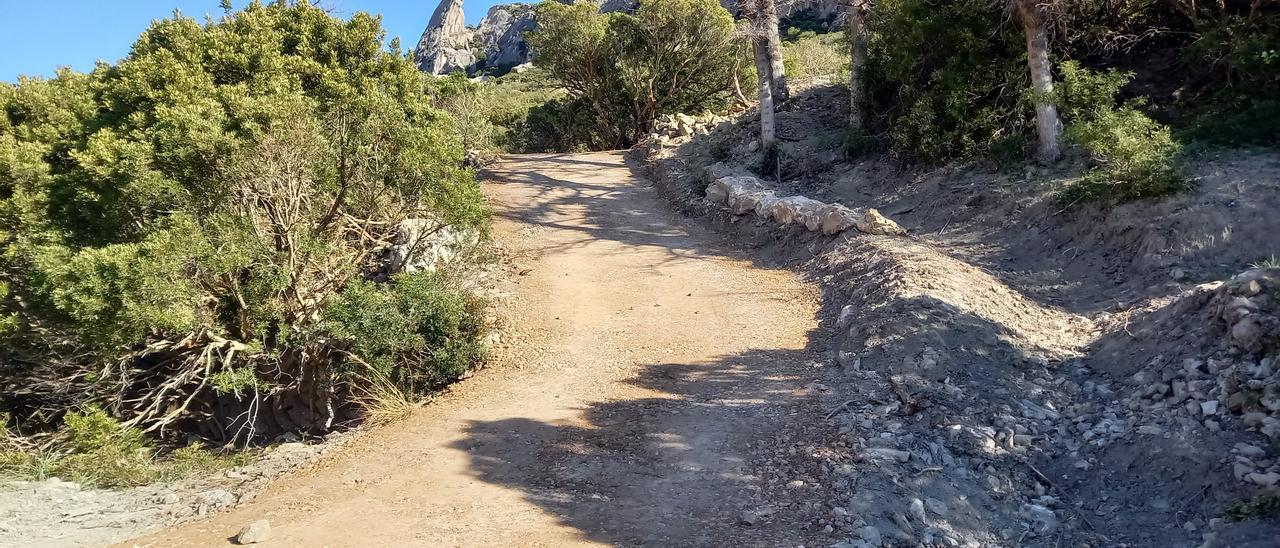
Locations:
(445, 44)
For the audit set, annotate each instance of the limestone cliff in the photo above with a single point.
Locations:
(445, 44)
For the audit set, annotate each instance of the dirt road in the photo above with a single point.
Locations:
(650, 372)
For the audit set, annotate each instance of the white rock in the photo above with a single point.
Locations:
(1209, 408)
(885, 453)
(798, 210)
(424, 245)
(720, 190)
(1266, 480)
(253, 533)
(846, 317)
(936, 506)
(1045, 522)
(870, 535)
(916, 509)
(837, 218)
(1249, 450)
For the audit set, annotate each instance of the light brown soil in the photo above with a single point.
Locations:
(648, 371)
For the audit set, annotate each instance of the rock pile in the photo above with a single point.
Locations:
(672, 129)
(1231, 377)
(744, 194)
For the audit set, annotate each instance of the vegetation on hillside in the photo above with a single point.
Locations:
(950, 82)
(188, 237)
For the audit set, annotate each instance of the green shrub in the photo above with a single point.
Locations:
(101, 452)
(94, 449)
(808, 54)
(1136, 156)
(1246, 111)
(948, 76)
(416, 330)
(190, 212)
(493, 115)
(627, 69)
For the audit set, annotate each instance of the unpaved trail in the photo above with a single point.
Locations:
(649, 370)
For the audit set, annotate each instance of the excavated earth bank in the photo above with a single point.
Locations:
(1013, 371)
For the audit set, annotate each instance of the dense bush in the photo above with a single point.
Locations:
(188, 217)
(1246, 52)
(95, 449)
(950, 77)
(670, 56)
(518, 112)
(413, 331)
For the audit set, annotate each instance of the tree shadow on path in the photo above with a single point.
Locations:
(672, 467)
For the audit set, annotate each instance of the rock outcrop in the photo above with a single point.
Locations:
(501, 36)
(445, 45)
(495, 46)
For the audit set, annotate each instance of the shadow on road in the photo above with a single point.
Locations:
(667, 468)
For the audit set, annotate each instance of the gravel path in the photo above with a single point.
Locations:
(648, 372)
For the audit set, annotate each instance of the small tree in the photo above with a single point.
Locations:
(574, 43)
(175, 228)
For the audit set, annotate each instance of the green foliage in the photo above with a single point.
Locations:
(235, 381)
(1261, 506)
(517, 112)
(949, 75)
(1269, 262)
(558, 125)
(94, 449)
(807, 54)
(224, 181)
(670, 56)
(1136, 156)
(416, 330)
(1246, 112)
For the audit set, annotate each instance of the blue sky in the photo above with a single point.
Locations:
(36, 37)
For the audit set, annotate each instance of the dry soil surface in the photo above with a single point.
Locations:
(648, 368)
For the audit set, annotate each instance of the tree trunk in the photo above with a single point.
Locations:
(757, 33)
(769, 14)
(858, 39)
(1048, 127)
(768, 131)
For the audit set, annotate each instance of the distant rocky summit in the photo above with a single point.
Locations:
(497, 44)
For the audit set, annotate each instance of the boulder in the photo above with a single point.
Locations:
(797, 209)
(746, 202)
(720, 190)
(443, 47)
(836, 218)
